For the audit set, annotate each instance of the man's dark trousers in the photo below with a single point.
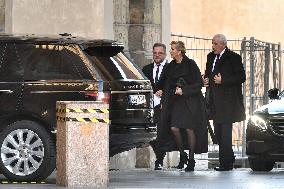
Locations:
(156, 143)
(223, 132)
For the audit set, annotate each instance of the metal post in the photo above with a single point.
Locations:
(267, 72)
(244, 58)
(252, 59)
(274, 71)
(280, 69)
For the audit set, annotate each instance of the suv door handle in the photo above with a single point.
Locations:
(6, 91)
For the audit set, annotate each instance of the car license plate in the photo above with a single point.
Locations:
(136, 99)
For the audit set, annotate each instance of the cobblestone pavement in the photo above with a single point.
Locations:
(170, 178)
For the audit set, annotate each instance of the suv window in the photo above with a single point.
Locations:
(11, 68)
(113, 65)
(42, 62)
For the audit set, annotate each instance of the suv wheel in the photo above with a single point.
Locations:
(27, 151)
(260, 165)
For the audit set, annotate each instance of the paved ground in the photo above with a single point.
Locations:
(170, 178)
(237, 179)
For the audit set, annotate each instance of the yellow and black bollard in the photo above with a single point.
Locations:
(82, 144)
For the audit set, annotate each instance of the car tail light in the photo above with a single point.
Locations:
(100, 96)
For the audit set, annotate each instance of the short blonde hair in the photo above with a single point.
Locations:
(179, 45)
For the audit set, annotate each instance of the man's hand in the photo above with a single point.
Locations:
(159, 93)
(178, 91)
(218, 79)
(205, 81)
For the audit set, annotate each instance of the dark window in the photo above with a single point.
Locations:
(42, 62)
(11, 67)
(113, 64)
(47, 62)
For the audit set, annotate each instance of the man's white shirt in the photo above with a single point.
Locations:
(216, 59)
(157, 99)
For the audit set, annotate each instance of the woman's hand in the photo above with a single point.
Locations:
(178, 91)
(159, 93)
(205, 81)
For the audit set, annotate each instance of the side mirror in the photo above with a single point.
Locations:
(273, 93)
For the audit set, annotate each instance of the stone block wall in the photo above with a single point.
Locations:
(2, 15)
(138, 24)
(85, 18)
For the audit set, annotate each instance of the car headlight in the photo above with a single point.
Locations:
(259, 122)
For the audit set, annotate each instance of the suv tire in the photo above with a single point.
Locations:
(27, 151)
(261, 165)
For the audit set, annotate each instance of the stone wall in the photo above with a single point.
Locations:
(85, 18)
(236, 19)
(2, 15)
(139, 24)
(259, 18)
(136, 23)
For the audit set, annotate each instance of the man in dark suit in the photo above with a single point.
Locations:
(223, 78)
(153, 72)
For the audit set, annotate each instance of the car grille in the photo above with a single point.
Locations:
(277, 124)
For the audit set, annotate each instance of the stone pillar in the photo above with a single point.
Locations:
(82, 144)
(166, 24)
(86, 18)
(141, 23)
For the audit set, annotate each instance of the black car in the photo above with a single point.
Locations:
(35, 72)
(265, 134)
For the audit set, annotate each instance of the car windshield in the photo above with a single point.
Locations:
(113, 65)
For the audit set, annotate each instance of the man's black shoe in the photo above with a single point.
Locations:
(159, 155)
(223, 168)
(158, 165)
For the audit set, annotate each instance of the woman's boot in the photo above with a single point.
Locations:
(183, 160)
(190, 165)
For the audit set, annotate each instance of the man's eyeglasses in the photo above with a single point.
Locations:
(158, 53)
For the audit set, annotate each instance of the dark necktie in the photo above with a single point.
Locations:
(216, 62)
(157, 74)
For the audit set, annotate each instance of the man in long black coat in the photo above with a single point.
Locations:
(153, 72)
(223, 78)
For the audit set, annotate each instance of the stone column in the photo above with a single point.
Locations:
(166, 23)
(82, 144)
(139, 24)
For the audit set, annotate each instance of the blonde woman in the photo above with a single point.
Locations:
(183, 105)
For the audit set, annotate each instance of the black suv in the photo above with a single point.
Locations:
(35, 72)
(265, 134)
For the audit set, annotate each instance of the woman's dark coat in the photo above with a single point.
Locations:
(228, 104)
(194, 100)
